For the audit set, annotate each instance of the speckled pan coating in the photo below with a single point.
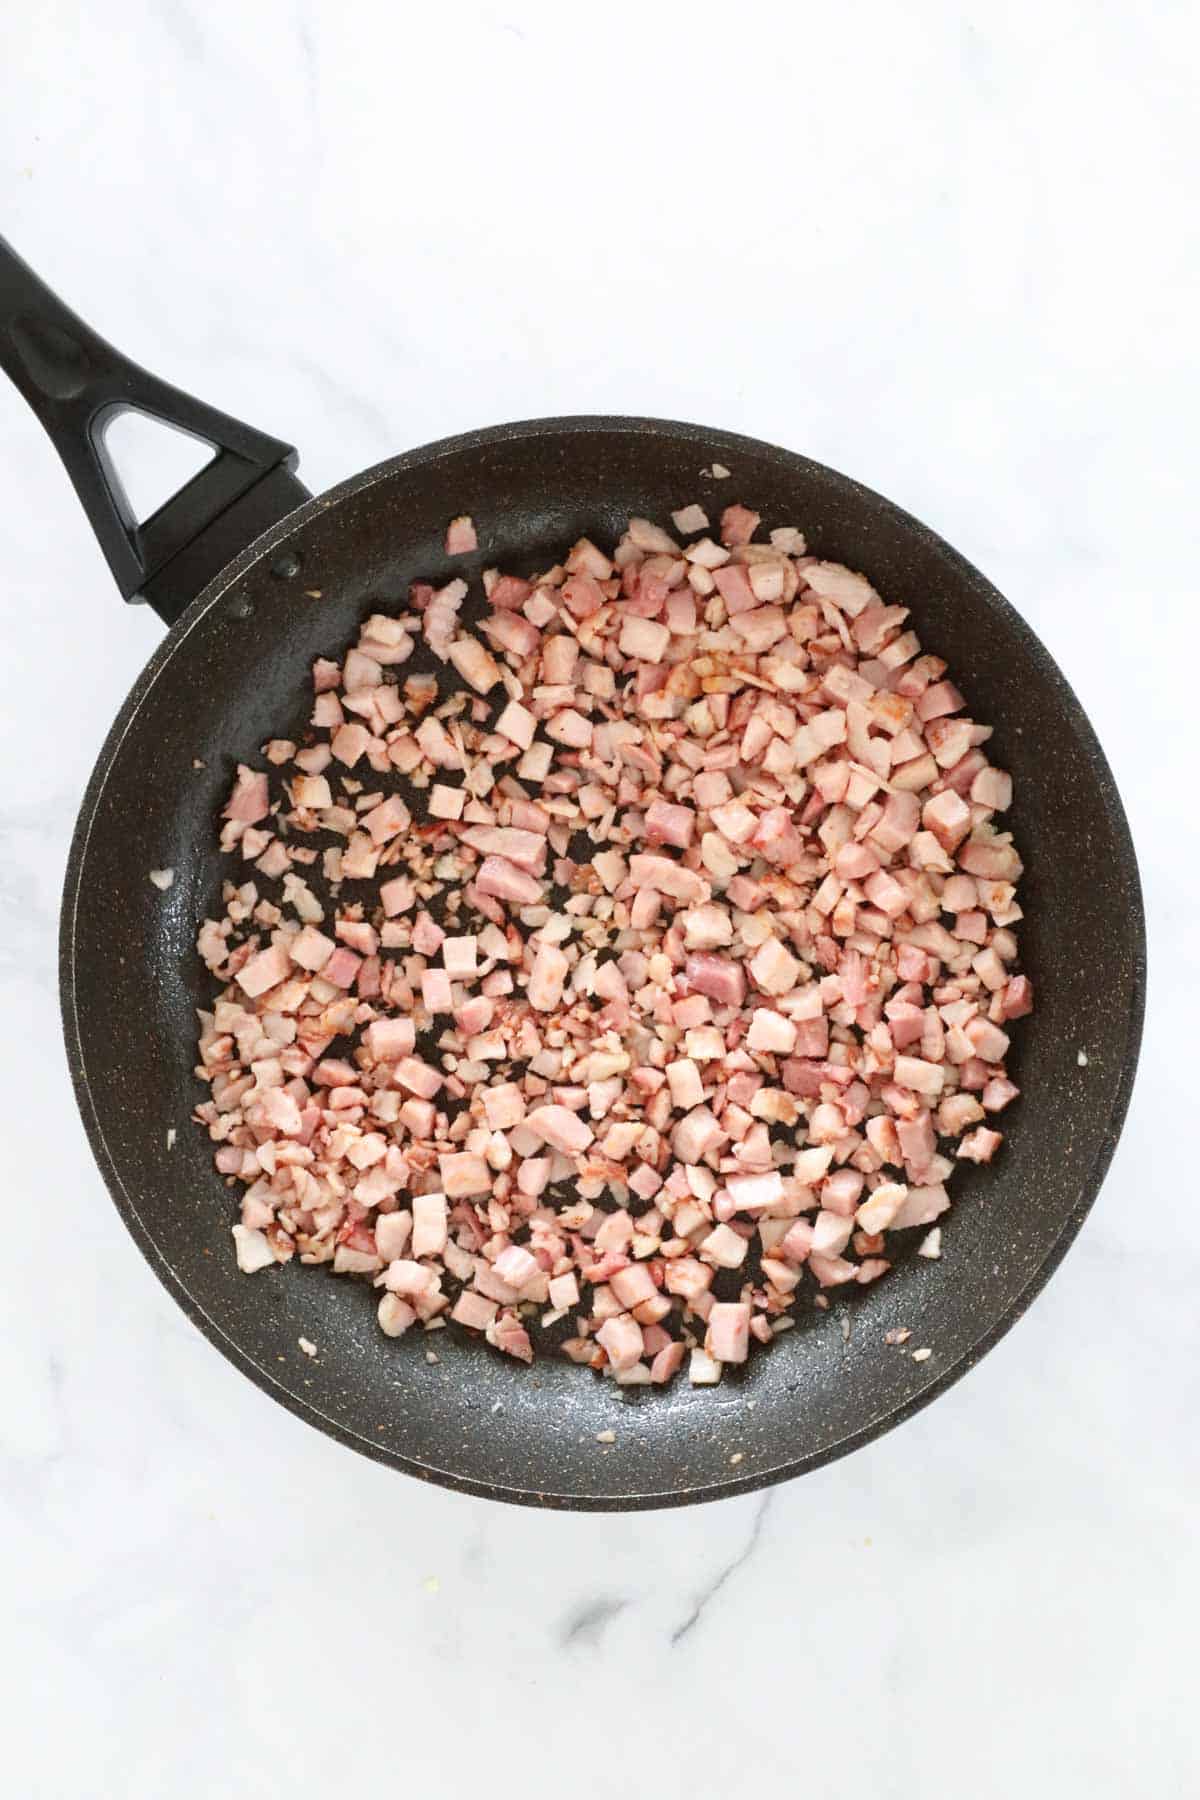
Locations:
(232, 672)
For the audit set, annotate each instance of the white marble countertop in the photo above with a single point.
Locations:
(953, 259)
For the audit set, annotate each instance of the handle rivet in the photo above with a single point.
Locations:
(287, 565)
(242, 608)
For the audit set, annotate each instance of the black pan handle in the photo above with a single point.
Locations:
(77, 385)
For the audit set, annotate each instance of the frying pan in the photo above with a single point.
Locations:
(255, 579)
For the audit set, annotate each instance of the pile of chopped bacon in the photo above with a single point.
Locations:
(647, 959)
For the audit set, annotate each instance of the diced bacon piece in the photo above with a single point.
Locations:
(509, 1335)
(517, 1267)
(922, 1077)
(760, 629)
(342, 968)
(987, 1040)
(841, 1191)
(871, 1268)
(409, 1279)
(918, 1143)
(476, 665)
(547, 978)
(949, 740)
(264, 970)
(570, 728)
(898, 825)
(776, 838)
(587, 558)
(667, 877)
(560, 1128)
(387, 820)
(773, 968)
(831, 1271)
(734, 821)
(392, 1233)
(460, 957)
(922, 1206)
(463, 1174)
(668, 824)
(911, 776)
(989, 860)
(429, 1223)
(683, 1079)
(582, 596)
(707, 928)
(738, 525)
(695, 1135)
(948, 817)
(360, 671)
(519, 636)
(667, 1362)
(517, 724)
(771, 1032)
(938, 700)
(427, 935)
(812, 1164)
(754, 1193)
(651, 538)
(460, 536)
(796, 1243)
(418, 1078)
(312, 791)
(706, 555)
(440, 617)
(527, 849)
(446, 802)
(724, 1247)
(992, 788)
(621, 1340)
(311, 949)
(733, 584)
(884, 892)
(717, 976)
(645, 639)
(848, 591)
(704, 1370)
(396, 896)
(395, 1315)
(979, 1146)
(878, 1211)
(831, 1233)
(687, 1277)
(502, 878)
(728, 1338)
(249, 799)
(633, 1285)
(854, 862)
(564, 1292)
(435, 991)
(349, 743)
(503, 1105)
(1018, 998)
(474, 1310)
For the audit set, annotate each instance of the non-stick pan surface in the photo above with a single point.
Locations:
(234, 671)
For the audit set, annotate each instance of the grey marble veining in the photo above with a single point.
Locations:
(951, 255)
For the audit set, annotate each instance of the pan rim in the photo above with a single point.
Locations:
(708, 439)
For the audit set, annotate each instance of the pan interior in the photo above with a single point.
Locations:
(235, 671)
